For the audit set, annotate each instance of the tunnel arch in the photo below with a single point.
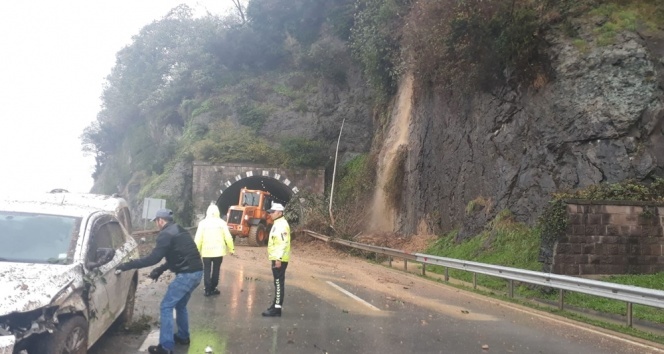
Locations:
(279, 187)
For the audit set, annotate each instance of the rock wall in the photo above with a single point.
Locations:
(209, 180)
(598, 119)
(175, 188)
(324, 108)
(610, 239)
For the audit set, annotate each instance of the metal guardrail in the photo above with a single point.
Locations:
(629, 294)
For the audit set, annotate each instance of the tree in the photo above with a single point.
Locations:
(300, 19)
(240, 10)
(169, 61)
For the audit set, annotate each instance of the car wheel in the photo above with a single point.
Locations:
(128, 314)
(70, 337)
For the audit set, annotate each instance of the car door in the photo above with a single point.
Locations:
(124, 216)
(100, 278)
(119, 286)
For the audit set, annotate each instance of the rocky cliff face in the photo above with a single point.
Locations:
(322, 113)
(598, 119)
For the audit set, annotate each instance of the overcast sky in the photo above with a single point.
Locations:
(54, 56)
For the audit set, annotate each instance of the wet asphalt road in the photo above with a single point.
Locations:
(384, 311)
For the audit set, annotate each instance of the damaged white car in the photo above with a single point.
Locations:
(58, 290)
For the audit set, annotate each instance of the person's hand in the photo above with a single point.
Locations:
(277, 264)
(121, 268)
(155, 274)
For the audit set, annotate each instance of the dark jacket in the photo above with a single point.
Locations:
(176, 244)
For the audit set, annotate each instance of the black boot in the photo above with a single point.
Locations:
(183, 341)
(158, 349)
(272, 312)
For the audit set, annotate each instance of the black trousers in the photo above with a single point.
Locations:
(279, 275)
(211, 266)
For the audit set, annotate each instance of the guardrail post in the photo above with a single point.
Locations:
(424, 269)
(561, 299)
(629, 314)
(447, 274)
(405, 264)
(474, 280)
(389, 259)
(510, 289)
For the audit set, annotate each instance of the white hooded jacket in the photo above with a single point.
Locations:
(213, 238)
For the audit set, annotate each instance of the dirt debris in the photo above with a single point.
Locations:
(411, 244)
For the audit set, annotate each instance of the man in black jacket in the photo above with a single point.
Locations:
(182, 258)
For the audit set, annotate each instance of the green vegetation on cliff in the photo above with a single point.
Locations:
(478, 44)
(197, 88)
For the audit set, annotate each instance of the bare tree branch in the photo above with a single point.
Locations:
(240, 10)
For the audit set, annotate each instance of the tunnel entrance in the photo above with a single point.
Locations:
(231, 195)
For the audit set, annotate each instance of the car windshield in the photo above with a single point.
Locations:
(37, 238)
(251, 199)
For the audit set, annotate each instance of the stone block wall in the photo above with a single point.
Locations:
(611, 238)
(210, 180)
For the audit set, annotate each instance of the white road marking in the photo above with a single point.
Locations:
(586, 327)
(352, 296)
(152, 338)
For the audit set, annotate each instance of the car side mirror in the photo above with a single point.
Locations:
(103, 256)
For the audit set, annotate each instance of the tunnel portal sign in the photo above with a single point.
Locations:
(150, 207)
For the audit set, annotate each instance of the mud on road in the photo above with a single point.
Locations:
(397, 312)
(308, 254)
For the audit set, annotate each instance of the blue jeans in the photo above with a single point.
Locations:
(177, 296)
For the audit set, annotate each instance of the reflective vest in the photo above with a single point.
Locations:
(278, 244)
(213, 238)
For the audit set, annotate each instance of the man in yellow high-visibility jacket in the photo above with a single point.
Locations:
(214, 241)
(278, 251)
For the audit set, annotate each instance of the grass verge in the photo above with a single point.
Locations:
(508, 243)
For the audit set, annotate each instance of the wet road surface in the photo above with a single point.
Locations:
(347, 305)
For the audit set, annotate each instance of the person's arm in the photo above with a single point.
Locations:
(153, 258)
(198, 239)
(228, 238)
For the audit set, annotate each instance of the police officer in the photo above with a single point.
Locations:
(182, 258)
(278, 250)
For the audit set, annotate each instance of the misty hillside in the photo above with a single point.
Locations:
(501, 102)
